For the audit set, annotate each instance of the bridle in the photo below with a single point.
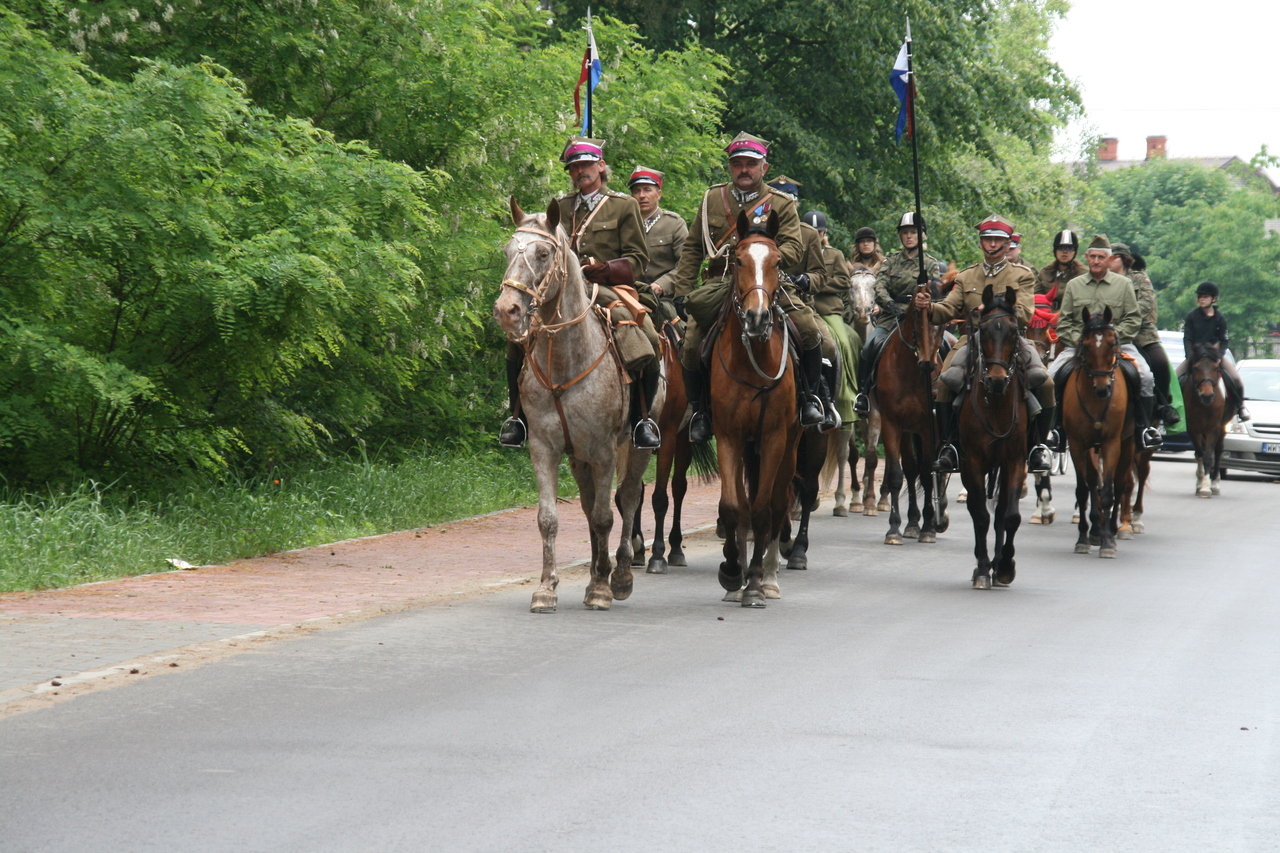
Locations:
(1095, 373)
(540, 292)
(1210, 354)
(983, 370)
(771, 306)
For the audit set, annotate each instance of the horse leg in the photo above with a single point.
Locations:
(732, 497)
(841, 439)
(660, 504)
(637, 537)
(1008, 519)
(594, 481)
(1083, 492)
(981, 517)
(679, 486)
(799, 556)
(1044, 513)
(769, 580)
(1109, 503)
(1144, 472)
(1215, 479)
(1124, 503)
(768, 513)
(929, 529)
(546, 465)
(911, 476)
(631, 491)
(893, 480)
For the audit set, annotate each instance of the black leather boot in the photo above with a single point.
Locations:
(513, 432)
(830, 386)
(810, 406)
(1056, 438)
(1040, 459)
(948, 461)
(695, 388)
(644, 432)
(1149, 437)
(862, 404)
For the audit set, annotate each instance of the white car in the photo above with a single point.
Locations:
(1255, 444)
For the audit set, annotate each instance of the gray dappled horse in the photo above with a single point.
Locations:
(575, 399)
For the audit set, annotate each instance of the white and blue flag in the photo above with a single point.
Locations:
(902, 85)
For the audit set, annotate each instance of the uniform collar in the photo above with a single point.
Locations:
(651, 221)
(590, 201)
(743, 198)
(993, 269)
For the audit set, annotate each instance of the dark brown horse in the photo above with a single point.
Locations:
(904, 396)
(1095, 417)
(1208, 413)
(753, 414)
(993, 437)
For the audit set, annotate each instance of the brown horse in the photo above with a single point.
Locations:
(1095, 417)
(904, 396)
(574, 394)
(753, 414)
(1208, 413)
(993, 437)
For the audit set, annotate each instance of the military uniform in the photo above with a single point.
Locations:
(1054, 275)
(830, 299)
(665, 234)
(1148, 341)
(896, 284)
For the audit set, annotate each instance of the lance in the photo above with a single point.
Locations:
(922, 277)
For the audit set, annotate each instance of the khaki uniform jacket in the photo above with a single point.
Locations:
(1148, 307)
(665, 240)
(831, 298)
(810, 262)
(711, 223)
(966, 294)
(1048, 276)
(615, 231)
(896, 284)
(1083, 292)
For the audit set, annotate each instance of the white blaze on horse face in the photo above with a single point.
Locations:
(759, 253)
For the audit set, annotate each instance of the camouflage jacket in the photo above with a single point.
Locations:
(1148, 307)
(896, 284)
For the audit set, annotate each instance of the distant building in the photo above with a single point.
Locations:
(1237, 169)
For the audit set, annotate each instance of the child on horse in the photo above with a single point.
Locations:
(1205, 326)
(1017, 283)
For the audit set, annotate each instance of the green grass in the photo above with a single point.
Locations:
(90, 534)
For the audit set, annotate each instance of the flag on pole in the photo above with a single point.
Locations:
(905, 87)
(590, 74)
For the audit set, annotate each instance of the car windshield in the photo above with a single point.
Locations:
(1261, 383)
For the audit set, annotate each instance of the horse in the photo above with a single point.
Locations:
(1095, 416)
(1043, 335)
(993, 436)
(753, 414)
(574, 394)
(904, 395)
(811, 457)
(1208, 413)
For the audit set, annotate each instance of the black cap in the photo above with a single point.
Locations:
(865, 233)
(1207, 288)
(816, 218)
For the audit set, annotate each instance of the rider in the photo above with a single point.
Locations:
(605, 230)
(1148, 340)
(1098, 290)
(1002, 276)
(664, 235)
(828, 302)
(1053, 277)
(1206, 325)
(865, 250)
(715, 236)
(895, 284)
(1014, 253)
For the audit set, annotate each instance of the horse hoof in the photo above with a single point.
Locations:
(657, 566)
(733, 595)
(720, 530)
(884, 505)
(637, 560)
(799, 562)
(1124, 534)
(1082, 547)
(928, 537)
(1035, 519)
(870, 511)
(1005, 577)
(839, 511)
(892, 539)
(676, 558)
(1203, 493)
(786, 547)
(621, 589)
(597, 600)
(855, 509)
(1216, 490)
(1107, 553)
(1139, 527)
(771, 591)
(962, 497)
(752, 598)
(728, 581)
(981, 581)
(1048, 517)
(941, 525)
(912, 532)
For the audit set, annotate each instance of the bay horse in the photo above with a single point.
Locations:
(753, 414)
(1208, 412)
(904, 395)
(993, 437)
(1095, 417)
(574, 394)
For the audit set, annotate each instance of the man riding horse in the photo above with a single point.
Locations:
(607, 233)
(1147, 341)
(1016, 283)
(664, 235)
(1098, 290)
(700, 291)
(829, 303)
(895, 285)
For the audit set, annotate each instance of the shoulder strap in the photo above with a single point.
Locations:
(581, 229)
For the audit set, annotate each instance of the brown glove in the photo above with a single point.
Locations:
(619, 272)
(599, 273)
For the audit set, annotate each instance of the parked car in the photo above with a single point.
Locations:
(1255, 444)
(1175, 441)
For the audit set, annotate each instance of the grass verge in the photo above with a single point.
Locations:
(92, 534)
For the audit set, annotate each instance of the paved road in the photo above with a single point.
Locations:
(1130, 704)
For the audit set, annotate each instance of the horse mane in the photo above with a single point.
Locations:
(1206, 350)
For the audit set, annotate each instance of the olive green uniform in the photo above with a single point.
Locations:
(896, 284)
(713, 238)
(813, 265)
(664, 237)
(1051, 276)
(830, 298)
(1114, 291)
(1148, 307)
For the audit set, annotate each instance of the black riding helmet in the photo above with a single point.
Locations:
(910, 220)
(1066, 240)
(865, 233)
(1207, 288)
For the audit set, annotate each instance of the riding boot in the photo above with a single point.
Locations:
(644, 432)
(810, 406)
(1040, 460)
(1056, 437)
(830, 382)
(1148, 436)
(1167, 413)
(695, 388)
(1236, 395)
(513, 432)
(948, 461)
(862, 404)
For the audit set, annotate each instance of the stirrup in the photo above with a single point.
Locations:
(1040, 459)
(1054, 441)
(700, 427)
(1150, 439)
(1243, 414)
(811, 412)
(862, 404)
(513, 432)
(650, 442)
(948, 460)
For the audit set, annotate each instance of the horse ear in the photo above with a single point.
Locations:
(517, 215)
(1085, 315)
(771, 224)
(742, 225)
(1106, 315)
(988, 296)
(553, 216)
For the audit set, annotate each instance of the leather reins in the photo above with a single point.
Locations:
(981, 375)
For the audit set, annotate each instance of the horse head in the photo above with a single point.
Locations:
(1099, 350)
(862, 292)
(918, 330)
(537, 270)
(1206, 360)
(756, 274)
(997, 335)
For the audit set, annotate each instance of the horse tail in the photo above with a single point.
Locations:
(704, 462)
(832, 461)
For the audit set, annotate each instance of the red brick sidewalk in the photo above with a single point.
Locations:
(430, 563)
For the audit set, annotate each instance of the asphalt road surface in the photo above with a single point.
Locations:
(1095, 705)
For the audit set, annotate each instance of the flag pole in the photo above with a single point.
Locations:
(590, 134)
(922, 277)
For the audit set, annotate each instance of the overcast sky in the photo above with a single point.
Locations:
(1206, 75)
